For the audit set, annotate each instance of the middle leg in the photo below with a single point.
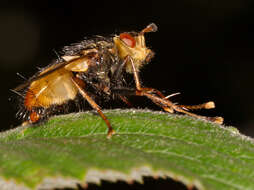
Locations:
(94, 106)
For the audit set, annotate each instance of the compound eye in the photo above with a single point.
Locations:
(128, 39)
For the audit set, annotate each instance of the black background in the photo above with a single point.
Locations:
(204, 49)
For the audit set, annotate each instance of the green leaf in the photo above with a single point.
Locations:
(71, 149)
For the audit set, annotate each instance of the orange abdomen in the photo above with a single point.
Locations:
(53, 89)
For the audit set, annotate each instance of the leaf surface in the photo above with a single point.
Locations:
(71, 149)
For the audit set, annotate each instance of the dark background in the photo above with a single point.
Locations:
(204, 49)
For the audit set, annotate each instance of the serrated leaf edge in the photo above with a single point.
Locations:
(95, 176)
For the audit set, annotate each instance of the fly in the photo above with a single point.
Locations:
(94, 68)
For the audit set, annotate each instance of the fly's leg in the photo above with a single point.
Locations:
(119, 70)
(167, 105)
(117, 76)
(125, 100)
(33, 118)
(140, 90)
(94, 106)
(207, 105)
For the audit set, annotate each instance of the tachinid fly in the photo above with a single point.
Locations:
(91, 68)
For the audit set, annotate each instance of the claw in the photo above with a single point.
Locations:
(110, 133)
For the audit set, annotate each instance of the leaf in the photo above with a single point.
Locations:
(71, 149)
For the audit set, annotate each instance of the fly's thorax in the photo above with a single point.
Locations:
(133, 46)
(83, 62)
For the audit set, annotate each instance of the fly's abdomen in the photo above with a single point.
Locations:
(53, 89)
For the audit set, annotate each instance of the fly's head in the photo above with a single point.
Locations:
(133, 45)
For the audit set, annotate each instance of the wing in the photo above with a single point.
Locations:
(86, 54)
(47, 71)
